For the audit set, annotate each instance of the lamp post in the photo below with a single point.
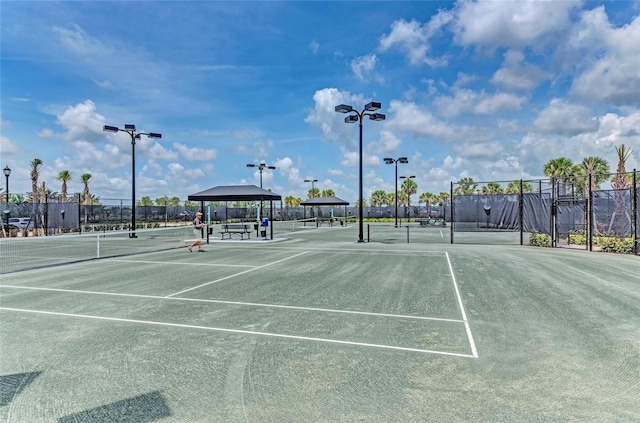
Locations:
(313, 181)
(354, 117)
(7, 173)
(408, 195)
(131, 130)
(389, 160)
(261, 167)
(313, 189)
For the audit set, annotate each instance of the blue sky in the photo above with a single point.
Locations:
(488, 90)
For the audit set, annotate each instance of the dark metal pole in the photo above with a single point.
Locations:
(590, 213)
(636, 247)
(521, 214)
(7, 193)
(132, 234)
(451, 212)
(396, 193)
(360, 206)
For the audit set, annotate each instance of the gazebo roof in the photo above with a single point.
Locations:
(234, 193)
(324, 201)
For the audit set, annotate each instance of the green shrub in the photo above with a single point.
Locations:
(610, 244)
(539, 240)
(577, 238)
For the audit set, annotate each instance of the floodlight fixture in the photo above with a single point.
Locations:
(351, 119)
(108, 128)
(373, 106)
(154, 135)
(344, 108)
(377, 117)
(129, 127)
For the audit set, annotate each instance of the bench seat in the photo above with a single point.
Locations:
(230, 229)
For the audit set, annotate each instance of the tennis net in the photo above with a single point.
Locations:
(18, 254)
(284, 226)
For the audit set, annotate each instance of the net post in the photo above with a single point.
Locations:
(451, 213)
(407, 234)
(521, 214)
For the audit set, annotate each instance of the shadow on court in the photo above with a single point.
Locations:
(143, 408)
(12, 385)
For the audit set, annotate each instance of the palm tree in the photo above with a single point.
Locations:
(36, 165)
(85, 180)
(466, 186)
(429, 199)
(409, 187)
(87, 196)
(378, 198)
(444, 198)
(291, 201)
(562, 169)
(391, 198)
(598, 168)
(64, 176)
(620, 183)
(514, 187)
(492, 188)
(328, 193)
(313, 193)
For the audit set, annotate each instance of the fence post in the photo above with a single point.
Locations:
(79, 216)
(521, 214)
(590, 212)
(635, 213)
(452, 211)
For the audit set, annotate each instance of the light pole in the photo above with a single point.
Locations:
(261, 167)
(354, 117)
(131, 130)
(7, 173)
(408, 195)
(313, 181)
(389, 160)
(313, 190)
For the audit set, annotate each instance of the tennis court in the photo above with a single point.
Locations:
(315, 327)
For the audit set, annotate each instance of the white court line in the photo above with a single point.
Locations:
(245, 332)
(173, 263)
(240, 303)
(234, 275)
(464, 314)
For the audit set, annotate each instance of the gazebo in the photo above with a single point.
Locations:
(325, 201)
(237, 193)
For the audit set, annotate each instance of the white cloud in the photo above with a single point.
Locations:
(479, 103)
(413, 38)
(325, 117)
(7, 146)
(362, 66)
(562, 117)
(78, 41)
(511, 24)
(517, 74)
(195, 153)
(610, 61)
(82, 122)
(314, 46)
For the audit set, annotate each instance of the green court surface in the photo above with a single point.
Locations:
(316, 327)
